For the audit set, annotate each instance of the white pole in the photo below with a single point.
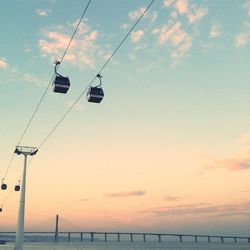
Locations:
(20, 223)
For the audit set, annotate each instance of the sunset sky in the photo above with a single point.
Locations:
(168, 148)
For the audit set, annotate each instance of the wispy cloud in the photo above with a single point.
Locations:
(190, 9)
(182, 6)
(246, 5)
(167, 3)
(245, 191)
(171, 198)
(196, 14)
(237, 163)
(137, 35)
(180, 40)
(215, 30)
(84, 200)
(135, 14)
(202, 209)
(3, 63)
(43, 12)
(153, 16)
(124, 26)
(33, 79)
(176, 33)
(82, 50)
(242, 39)
(15, 75)
(127, 194)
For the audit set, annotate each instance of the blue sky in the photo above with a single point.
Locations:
(172, 131)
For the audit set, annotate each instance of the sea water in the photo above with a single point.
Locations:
(130, 246)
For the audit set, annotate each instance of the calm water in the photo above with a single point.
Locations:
(129, 246)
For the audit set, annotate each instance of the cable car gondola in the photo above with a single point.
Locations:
(96, 94)
(1, 209)
(3, 185)
(61, 83)
(17, 187)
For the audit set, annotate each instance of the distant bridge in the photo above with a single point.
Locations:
(88, 236)
(127, 236)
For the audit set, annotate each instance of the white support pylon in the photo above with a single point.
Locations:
(21, 214)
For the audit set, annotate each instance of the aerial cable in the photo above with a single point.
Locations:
(46, 90)
(60, 62)
(19, 182)
(76, 29)
(99, 73)
(62, 58)
(87, 87)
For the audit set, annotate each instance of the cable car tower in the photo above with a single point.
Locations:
(22, 150)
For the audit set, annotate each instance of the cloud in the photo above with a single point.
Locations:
(202, 209)
(33, 79)
(186, 8)
(135, 14)
(196, 14)
(167, 3)
(171, 198)
(215, 30)
(43, 12)
(3, 63)
(16, 75)
(82, 50)
(137, 35)
(180, 40)
(242, 39)
(124, 26)
(174, 14)
(84, 200)
(182, 6)
(237, 163)
(234, 164)
(247, 7)
(127, 194)
(57, 42)
(245, 191)
(173, 33)
(153, 16)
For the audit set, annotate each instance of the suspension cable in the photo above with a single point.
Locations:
(99, 72)
(86, 88)
(46, 90)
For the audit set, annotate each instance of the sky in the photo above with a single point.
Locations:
(168, 148)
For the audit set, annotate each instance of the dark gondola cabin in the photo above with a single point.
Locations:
(17, 188)
(4, 186)
(1, 210)
(96, 94)
(61, 83)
